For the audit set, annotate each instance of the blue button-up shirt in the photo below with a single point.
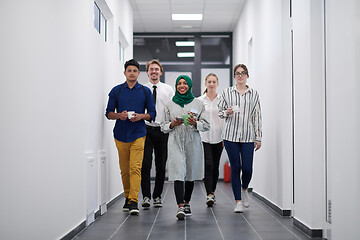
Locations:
(130, 99)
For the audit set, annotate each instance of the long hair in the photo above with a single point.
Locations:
(243, 67)
(209, 75)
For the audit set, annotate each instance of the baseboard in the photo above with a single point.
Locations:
(281, 212)
(310, 232)
(287, 213)
(82, 225)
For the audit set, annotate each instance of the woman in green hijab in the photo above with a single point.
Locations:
(184, 118)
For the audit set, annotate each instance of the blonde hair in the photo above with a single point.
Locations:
(209, 75)
(154, 61)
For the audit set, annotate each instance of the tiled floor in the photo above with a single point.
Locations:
(220, 222)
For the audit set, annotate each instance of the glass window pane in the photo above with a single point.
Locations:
(162, 48)
(121, 53)
(103, 27)
(96, 17)
(215, 50)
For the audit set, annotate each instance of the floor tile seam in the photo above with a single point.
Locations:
(242, 215)
(217, 223)
(185, 222)
(264, 208)
(119, 227)
(157, 214)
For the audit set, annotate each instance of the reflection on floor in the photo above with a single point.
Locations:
(219, 222)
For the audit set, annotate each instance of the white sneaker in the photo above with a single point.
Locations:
(238, 208)
(210, 200)
(145, 202)
(245, 198)
(180, 213)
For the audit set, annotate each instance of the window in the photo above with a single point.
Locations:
(215, 49)
(100, 22)
(187, 53)
(96, 17)
(121, 53)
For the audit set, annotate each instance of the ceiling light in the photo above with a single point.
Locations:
(185, 43)
(186, 26)
(186, 17)
(186, 54)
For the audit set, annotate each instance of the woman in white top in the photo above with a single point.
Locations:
(239, 105)
(212, 141)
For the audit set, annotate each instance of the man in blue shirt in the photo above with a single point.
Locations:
(130, 100)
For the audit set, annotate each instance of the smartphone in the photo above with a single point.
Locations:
(179, 119)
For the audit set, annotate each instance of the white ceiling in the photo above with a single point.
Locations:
(155, 15)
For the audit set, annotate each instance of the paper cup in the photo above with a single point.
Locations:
(130, 114)
(235, 108)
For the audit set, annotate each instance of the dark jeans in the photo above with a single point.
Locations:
(179, 191)
(245, 165)
(212, 153)
(155, 141)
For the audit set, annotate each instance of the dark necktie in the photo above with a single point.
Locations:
(154, 93)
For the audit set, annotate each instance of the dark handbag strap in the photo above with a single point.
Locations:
(117, 97)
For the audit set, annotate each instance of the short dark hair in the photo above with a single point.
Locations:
(131, 62)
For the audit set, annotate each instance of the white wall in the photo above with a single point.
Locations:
(343, 38)
(55, 74)
(309, 113)
(268, 24)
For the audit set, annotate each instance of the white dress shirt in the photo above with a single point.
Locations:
(164, 94)
(212, 136)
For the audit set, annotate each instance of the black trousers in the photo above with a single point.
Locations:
(155, 141)
(212, 153)
(179, 191)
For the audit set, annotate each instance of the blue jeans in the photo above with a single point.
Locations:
(241, 159)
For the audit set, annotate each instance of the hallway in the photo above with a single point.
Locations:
(256, 222)
(59, 162)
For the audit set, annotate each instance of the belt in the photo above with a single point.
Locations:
(153, 127)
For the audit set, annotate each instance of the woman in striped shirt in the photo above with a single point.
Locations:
(239, 105)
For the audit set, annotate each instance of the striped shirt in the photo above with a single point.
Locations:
(244, 125)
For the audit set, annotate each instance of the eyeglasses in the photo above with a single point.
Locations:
(237, 74)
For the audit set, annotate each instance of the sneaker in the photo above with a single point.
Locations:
(214, 198)
(145, 202)
(239, 207)
(210, 200)
(126, 205)
(133, 208)
(180, 213)
(245, 198)
(187, 210)
(157, 202)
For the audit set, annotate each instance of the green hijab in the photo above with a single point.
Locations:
(188, 97)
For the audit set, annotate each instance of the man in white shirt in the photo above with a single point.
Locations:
(155, 139)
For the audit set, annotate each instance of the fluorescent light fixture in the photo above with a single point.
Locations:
(186, 16)
(185, 43)
(186, 54)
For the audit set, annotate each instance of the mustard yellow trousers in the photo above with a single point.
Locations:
(130, 160)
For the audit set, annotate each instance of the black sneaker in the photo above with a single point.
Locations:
(210, 201)
(126, 205)
(180, 213)
(145, 202)
(133, 208)
(157, 202)
(187, 210)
